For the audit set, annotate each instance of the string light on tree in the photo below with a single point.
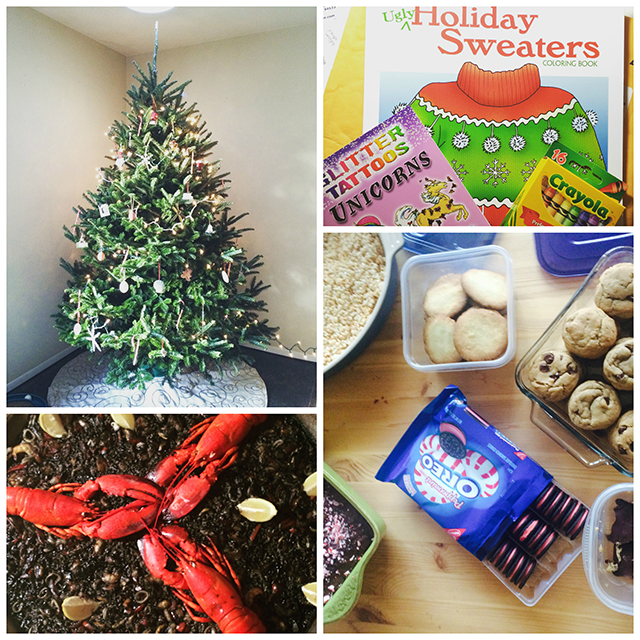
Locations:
(297, 346)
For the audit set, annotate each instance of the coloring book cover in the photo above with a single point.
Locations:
(395, 175)
(495, 86)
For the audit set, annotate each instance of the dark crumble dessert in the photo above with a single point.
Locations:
(346, 537)
(273, 560)
(622, 538)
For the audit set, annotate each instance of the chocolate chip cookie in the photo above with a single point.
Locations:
(553, 374)
(617, 366)
(614, 291)
(594, 405)
(621, 436)
(589, 332)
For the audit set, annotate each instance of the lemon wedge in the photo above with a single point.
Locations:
(310, 485)
(124, 420)
(51, 424)
(77, 608)
(257, 510)
(310, 591)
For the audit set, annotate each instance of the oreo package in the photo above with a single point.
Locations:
(464, 473)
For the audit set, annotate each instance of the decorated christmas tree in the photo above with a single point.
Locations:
(162, 285)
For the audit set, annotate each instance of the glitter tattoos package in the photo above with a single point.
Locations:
(396, 175)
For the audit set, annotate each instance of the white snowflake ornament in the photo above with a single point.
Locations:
(550, 135)
(460, 140)
(491, 144)
(580, 124)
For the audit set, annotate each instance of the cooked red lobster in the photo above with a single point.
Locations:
(67, 516)
(212, 446)
(204, 579)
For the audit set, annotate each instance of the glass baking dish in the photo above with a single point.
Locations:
(589, 447)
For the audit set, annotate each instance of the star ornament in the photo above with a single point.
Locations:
(186, 274)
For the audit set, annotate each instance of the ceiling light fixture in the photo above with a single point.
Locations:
(150, 9)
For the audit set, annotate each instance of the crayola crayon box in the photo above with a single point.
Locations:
(588, 170)
(395, 175)
(555, 196)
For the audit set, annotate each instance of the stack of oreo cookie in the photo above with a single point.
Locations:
(515, 564)
(563, 511)
(553, 513)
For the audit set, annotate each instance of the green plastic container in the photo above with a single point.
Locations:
(345, 598)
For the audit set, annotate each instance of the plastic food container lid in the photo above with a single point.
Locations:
(575, 254)
(442, 241)
(613, 591)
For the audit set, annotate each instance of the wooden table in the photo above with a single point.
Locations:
(419, 579)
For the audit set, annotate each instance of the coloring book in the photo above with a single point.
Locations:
(496, 86)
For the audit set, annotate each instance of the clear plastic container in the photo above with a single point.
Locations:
(615, 592)
(420, 242)
(548, 568)
(345, 598)
(589, 447)
(420, 272)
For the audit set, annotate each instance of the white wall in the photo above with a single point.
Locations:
(257, 95)
(63, 92)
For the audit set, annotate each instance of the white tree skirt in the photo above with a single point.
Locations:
(80, 383)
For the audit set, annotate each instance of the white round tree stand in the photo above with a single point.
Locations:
(80, 383)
